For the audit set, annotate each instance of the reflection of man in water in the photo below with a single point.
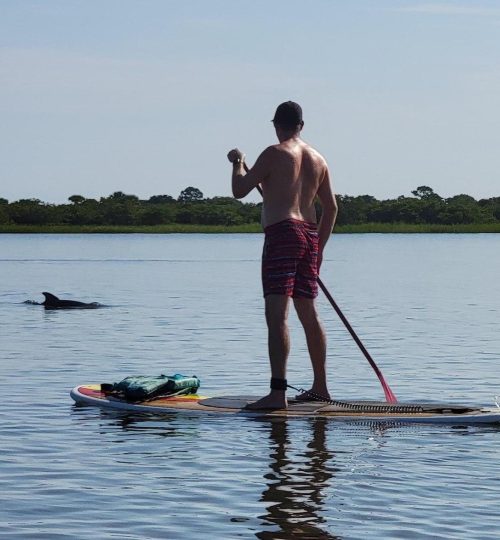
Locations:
(297, 484)
(292, 175)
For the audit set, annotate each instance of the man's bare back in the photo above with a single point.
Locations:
(292, 174)
(296, 172)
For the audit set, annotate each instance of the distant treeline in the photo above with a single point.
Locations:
(424, 207)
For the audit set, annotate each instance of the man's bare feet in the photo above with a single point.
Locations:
(274, 400)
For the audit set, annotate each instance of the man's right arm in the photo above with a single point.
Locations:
(328, 214)
(243, 183)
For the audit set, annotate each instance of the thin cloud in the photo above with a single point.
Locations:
(451, 9)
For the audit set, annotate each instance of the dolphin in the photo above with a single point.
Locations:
(52, 302)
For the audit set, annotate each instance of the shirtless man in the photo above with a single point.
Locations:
(292, 174)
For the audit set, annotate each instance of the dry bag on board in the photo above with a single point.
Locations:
(143, 387)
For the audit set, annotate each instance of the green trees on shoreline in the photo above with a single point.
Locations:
(122, 209)
(425, 207)
(191, 208)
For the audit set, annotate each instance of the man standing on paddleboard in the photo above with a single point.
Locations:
(290, 175)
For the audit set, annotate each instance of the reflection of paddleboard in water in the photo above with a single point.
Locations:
(53, 302)
(349, 411)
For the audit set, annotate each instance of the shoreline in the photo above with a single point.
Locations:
(365, 228)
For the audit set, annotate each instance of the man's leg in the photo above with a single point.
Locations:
(316, 342)
(279, 347)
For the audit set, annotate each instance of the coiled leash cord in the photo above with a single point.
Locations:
(361, 407)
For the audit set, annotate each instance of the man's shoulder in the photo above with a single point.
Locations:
(271, 153)
(273, 149)
(279, 150)
(318, 157)
(311, 150)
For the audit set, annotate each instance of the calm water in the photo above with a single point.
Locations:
(426, 306)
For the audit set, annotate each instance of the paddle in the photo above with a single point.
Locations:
(389, 395)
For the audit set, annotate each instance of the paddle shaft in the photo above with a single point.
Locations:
(389, 394)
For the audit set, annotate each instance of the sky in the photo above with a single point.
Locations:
(147, 96)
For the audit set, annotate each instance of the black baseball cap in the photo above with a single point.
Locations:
(288, 114)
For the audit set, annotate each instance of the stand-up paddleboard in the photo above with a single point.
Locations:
(350, 411)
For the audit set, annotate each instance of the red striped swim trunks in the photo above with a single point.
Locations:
(290, 259)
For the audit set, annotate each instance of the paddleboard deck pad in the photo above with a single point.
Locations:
(350, 411)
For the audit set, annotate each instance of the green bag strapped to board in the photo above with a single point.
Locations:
(144, 387)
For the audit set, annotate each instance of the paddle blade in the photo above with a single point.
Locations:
(389, 394)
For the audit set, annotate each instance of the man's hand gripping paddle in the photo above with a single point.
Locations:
(389, 395)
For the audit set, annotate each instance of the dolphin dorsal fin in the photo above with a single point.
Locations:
(50, 298)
